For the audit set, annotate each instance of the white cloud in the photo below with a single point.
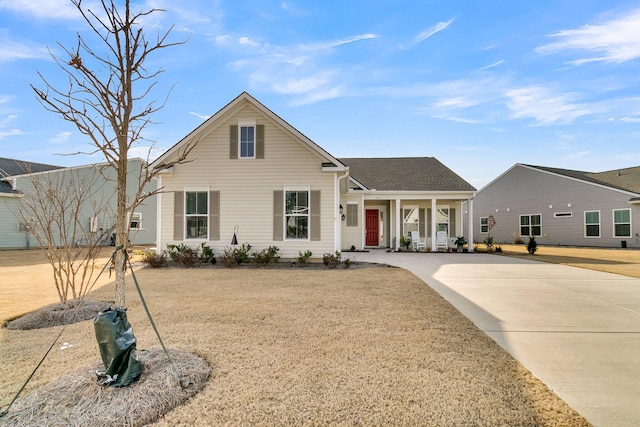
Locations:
(11, 50)
(49, 9)
(544, 106)
(426, 34)
(60, 138)
(3, 123)
(248, 42)
(495, 64)
(613, 41)
(198, 115)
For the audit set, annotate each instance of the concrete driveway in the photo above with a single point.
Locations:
(577, 330)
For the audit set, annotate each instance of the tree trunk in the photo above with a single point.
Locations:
(122, 235)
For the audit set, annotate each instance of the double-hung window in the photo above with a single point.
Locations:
(297, 214)
(622, 223)
(484, 224)
(592, 224)
(247, 140)
(196, 212)
(531, 225)
(135, 221)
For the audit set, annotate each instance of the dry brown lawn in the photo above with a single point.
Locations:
(618, 261)
(371, 346)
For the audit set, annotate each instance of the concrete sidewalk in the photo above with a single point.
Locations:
(577, 330)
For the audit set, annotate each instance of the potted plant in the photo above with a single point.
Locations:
(405, 242)
(460, 242)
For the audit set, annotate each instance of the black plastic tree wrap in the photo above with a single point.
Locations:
(117, 349)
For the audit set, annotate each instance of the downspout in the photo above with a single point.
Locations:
(336, 209)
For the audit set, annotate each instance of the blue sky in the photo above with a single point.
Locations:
(478, 84)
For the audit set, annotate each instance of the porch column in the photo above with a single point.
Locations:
(470, 227)
(398, 219)
(434, 243)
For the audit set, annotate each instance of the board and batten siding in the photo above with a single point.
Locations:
(526, 191)
(246, 187)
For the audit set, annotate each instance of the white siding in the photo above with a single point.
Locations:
(525, 191)
(246, 186)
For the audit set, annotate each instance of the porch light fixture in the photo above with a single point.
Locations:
(234, 240)
(341, 214)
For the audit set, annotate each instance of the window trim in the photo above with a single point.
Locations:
(131, 218)
(186, 216)
(247, 124)
(584, 218)
(285, 215)
(484, 224)
(530, 225)
(613, 220)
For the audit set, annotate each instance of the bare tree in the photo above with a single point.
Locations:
(67, 213)
(107, 100)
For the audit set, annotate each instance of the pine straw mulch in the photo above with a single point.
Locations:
(77, 399)
(56, 315)
(371, 346)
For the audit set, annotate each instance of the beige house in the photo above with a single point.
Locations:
(254, 175)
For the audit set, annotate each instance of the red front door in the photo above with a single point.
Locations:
(372, 224)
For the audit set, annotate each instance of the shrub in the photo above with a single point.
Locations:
(332, 260)
(303, 258)
(175, 250)
(489, 242)
(347, 263)
(154, 259)
(235, 256)
(266, 256)
(499, 249)
(532, 246)
(184, 255)
(518, 241)
(207, 254)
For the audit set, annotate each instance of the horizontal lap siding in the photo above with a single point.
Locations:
(246, 186)
(524, 191)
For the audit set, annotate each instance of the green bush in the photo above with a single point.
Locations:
(532, 246)
(266, 256)
(489, 242)
(207, 254)
(303, 258)
(236, 256)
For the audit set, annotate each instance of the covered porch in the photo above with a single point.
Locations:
(380, 220)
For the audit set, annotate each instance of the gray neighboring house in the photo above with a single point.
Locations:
(15, 182)
(12, 235)
(561, 207)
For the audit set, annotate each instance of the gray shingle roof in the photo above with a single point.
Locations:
(627, 179)
(405, 174)
(11, 167)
